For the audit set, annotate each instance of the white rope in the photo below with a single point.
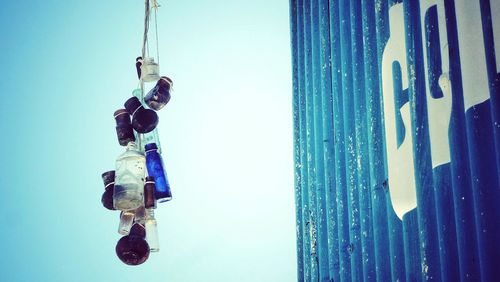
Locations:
(155, 7)
(144, 42)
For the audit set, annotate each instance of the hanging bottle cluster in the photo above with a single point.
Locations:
(139, 179)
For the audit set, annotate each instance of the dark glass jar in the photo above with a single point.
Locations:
(124, 129)
(109, 183)
(149, 193)
(133, 248)
(156, 169)
(138, 64)
(159, 96)
(143, 120)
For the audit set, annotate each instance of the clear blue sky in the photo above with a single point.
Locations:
(226, 135)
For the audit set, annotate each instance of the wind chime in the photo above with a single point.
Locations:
(140, 179)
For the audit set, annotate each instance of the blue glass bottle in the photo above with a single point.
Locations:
(154, 164)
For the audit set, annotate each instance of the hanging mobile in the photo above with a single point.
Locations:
(131, 188)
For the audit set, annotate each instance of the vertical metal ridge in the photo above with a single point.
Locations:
(328, 152)
(375, 141)
(306, 252)
(350, 143)
(429, 249)
(296, 137)
(361, 136)
(460, 175)
(321, 226)
(310, 143)
(339, 148)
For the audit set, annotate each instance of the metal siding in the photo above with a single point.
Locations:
(445, 87)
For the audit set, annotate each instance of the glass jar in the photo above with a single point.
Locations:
(138, 64)
(143, 120)
(124, 129)
(150, 70)
(152, 231)
(159, 95)
(129, 180)
(109, 183)
(126, 221)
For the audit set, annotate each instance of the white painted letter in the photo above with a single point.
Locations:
(472, 53)
(438, 109)
(399, 160)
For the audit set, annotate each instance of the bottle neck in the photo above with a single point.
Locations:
(150, 214)
(131, 146)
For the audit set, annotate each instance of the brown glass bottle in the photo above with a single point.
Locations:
(149, 193)
(133, 248)
(124, 129)
(109, 183)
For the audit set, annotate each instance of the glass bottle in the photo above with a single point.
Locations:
(129, 181)
(143, 120)
(159, 95)
(138, 64)
(140, 215)
(151, 137)
(149, 193)
(145, 138)
(133, 249)
(126, 221)
(150, 70)
(152, 231)
(124, 129)
(109, 183)
(154, 164)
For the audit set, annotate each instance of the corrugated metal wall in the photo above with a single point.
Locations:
(397, 139)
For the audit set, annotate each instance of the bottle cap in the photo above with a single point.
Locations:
(121, 115)
(150, 147)
(132, 104)
(145, 120)
(165, 81)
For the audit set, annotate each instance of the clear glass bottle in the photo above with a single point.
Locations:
(129, 180)
(156, 169)
(159, 95)
(150, 70)
(133, 248)
(143, 120)
(126, 221)
(109, 183)
(152, 231)
(140, 215)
